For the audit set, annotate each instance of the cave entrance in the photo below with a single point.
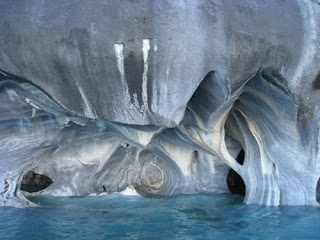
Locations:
(34, 182)
(235, 182)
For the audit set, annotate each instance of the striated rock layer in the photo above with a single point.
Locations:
(161, 96)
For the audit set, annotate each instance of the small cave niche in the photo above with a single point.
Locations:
(240, 157)
(34, 182)
(235, 182)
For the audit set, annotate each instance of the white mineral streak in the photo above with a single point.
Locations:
(136, 102)
(219, 143)
(197, 119)
(145, 51)
(225, 153)
(12, 95)
(144, 138)
(32, 103)
(266, 164)
(119, 48)
(3, 73)
(87, 106)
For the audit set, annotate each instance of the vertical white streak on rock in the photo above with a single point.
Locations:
(135, 101)
(164, 89)
(145, 51)
(118, 49)
(33, 112)
(87, 107)
(155, 96)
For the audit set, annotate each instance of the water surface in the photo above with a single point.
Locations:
(132, 217)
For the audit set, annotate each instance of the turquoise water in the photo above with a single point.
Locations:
(131, 217)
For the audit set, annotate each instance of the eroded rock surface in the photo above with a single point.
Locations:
(161, 96)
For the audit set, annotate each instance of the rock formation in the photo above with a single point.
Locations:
(161, 95)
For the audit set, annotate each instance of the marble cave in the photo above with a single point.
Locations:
(164, 98)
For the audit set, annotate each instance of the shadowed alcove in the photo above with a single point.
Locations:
(34, 182)
(235, 182)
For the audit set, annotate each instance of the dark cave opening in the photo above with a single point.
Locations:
(34, 182)
(240, 157)
(235, 182)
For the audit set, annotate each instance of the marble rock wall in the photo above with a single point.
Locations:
(161, 96)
